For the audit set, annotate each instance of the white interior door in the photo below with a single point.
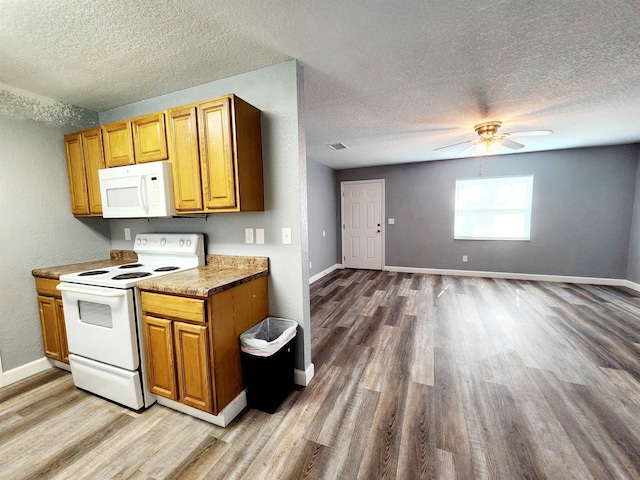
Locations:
(362, 225)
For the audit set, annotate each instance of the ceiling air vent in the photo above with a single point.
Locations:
(337, 146)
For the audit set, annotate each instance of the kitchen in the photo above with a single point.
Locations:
(52, 236)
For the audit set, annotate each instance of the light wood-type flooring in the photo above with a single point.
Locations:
(417, 376)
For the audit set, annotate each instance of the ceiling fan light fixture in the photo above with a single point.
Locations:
(487, 146)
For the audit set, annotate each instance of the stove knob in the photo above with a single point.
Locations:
(181, 243)
(163, 242)
(138, 241)
(188, 243)
(144, 241)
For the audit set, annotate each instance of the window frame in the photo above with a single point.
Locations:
(527, 211)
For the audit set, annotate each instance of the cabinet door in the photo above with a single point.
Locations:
(216, 155)
(150, 138)
(118, 144)
(193, 365)
(77, 175)
(161, 369)
(93, 161)
(62, 332)
(185, 158)
(50, 330)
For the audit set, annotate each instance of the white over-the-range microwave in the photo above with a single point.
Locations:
(137, 191)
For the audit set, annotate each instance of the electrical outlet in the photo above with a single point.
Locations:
(465, 259)
(286, 236)
(324, 234)
(310, 265)
(260, 236)
(127, 233)
(248, 235)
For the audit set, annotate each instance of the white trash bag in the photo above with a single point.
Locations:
(268, 336)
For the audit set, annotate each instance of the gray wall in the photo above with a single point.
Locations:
(277, 92)
(581, 218)
(633, 266)
(321, 181)
(38, 229)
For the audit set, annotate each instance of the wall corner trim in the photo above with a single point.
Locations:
(303, 377)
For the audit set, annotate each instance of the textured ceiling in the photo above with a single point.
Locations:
(391, 80)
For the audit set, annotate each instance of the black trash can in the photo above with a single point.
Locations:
(268, 354)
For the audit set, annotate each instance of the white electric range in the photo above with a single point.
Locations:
(103, 317)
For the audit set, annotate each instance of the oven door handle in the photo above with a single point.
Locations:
(64, 288)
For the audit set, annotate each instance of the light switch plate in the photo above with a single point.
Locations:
(260, 236)
(248, 235)
(286, 236)
(392, 221)
(127, 233)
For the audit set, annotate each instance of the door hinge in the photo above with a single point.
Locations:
(343, 226)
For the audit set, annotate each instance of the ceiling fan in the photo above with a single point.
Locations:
(490, 141)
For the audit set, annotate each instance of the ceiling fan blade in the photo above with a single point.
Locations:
(452, 145)
(466, 150)
(511, 144)
(530, 133)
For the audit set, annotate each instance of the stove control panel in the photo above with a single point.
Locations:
(169, 243)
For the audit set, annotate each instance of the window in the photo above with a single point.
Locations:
(496, 208)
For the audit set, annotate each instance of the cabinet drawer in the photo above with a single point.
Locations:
(47, 286)
(168, 306)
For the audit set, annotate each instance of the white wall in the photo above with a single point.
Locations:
(37, 227)
(277, 92)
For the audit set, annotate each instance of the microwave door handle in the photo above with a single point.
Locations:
(64, 288)
(141, 195)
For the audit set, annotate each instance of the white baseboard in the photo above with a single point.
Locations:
(631, 285)
(324, 273)
(303, 377)
(615, 282)
(23, 371)
(223, 418)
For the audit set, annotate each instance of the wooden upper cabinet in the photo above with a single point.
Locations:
(77, 174)
(182, 132)
(216, 154)
(150, 138)
(215, 148)
(118, 144)
(216, 151)
(247, 151)
(93, 161)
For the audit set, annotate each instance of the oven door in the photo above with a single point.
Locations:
(101, 324)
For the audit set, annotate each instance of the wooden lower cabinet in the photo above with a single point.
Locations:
(193, 365)
(161, 367)
(54, 335)
(193, 344)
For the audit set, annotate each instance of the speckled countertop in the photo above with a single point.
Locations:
(221, 273)
(117, 257)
